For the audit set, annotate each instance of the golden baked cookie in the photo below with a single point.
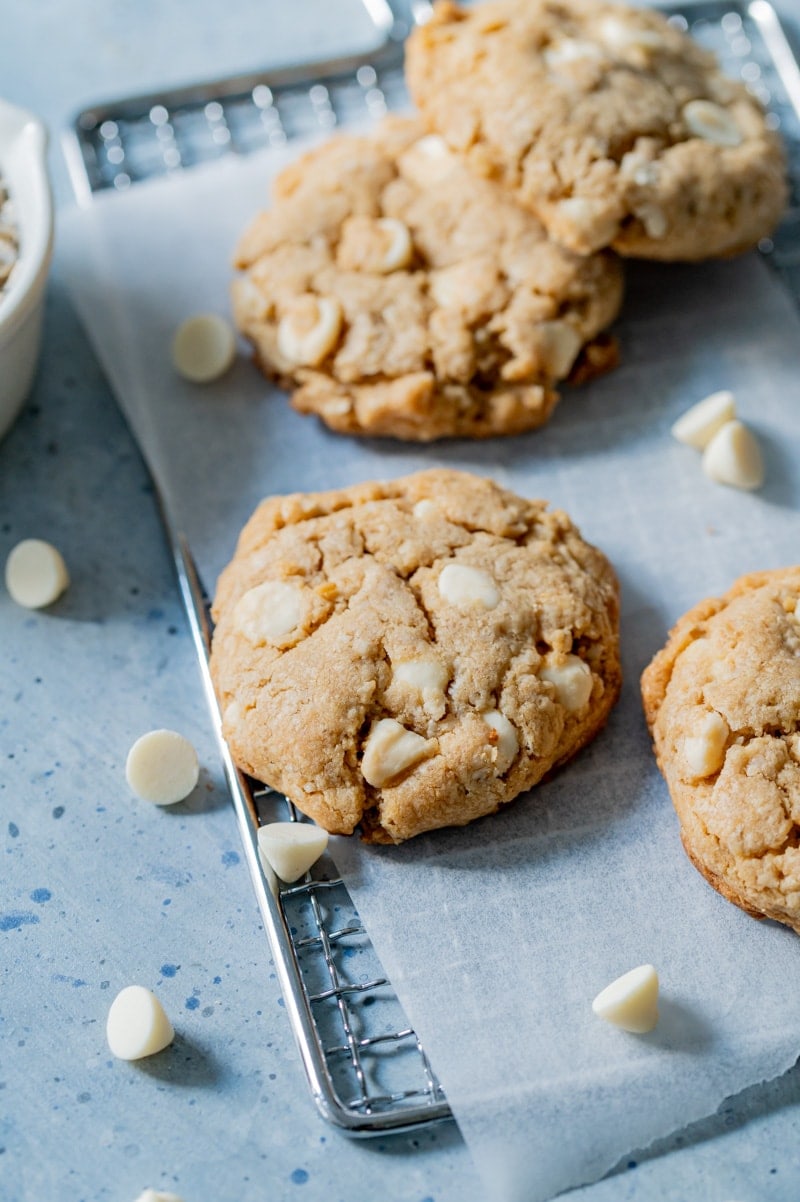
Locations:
(413, 654)
(611, 125)
(722, 701)
(402, 297)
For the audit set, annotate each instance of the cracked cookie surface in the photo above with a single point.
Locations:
(611, 125)
(400, 296)
(409, 655)
(722, 701)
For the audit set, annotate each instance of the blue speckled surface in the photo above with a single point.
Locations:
(98, 891)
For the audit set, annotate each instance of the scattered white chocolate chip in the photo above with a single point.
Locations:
(157, 1195)
(267, 612)
(399, 248)
(698, 425)
(710, 121)
(560, 343)
(203, 348)
(704, 753)
(162, 767)
(426, 160)
(423, 675)
(733, 457)
(507, 742)
(137, 1025)
(389, 750)
(36, 574)
(465, 587)
(618, 36)
(572, 679)
(310, 329)
(630, 1002)
(570, 50)
(290, 848)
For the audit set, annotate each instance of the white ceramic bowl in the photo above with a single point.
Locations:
(23, 166)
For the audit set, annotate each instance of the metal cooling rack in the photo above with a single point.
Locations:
(366, 1068)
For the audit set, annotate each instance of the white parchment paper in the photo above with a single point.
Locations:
(498, 936)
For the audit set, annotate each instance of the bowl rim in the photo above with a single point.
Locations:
(22, 130)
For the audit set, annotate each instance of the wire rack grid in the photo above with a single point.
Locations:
(366, 1068)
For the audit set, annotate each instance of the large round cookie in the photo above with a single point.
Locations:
(611, 125)
(403, 297)
(414, 654)
(722, 701)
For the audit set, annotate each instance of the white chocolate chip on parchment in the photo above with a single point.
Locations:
(710, 121)
(466, 587)
(733, 457)
(507, 744)
(36, 574)
(631, 1001)
(267, 612)
(572, 679)
(310, 329)
(704, 753)
(203, 348)
(137, 1025)
(390, 749)
(290, 848)
(698, 425)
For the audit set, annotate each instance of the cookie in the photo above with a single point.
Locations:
(722, 701)
(409, 655)
(402, 297)
(610, 124)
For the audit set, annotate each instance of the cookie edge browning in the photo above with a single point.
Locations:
(655, 680)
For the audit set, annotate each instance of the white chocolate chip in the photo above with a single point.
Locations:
(425, 509)
(710, 121)
(560, 344)
(203, 348)
(590, 218)
(653, 219)
(422, 675)
(290, 848)
(310, 329)
(36, 574)
(572, 679)
(137, 1025)
(399, 248)
(427, 160)
(267, 612)
(507, 742)
(704, 753)
(465, 587)
(570, 50)
(389, 750)
(157, 1195)
(618, 36)
(630, 1002)
(733, 457)
(162, 767)
(698, 425)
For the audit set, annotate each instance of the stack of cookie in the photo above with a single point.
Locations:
(441, 276)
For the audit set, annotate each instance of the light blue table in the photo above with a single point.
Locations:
(98, 891)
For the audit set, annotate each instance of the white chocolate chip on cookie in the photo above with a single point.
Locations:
(290, 848)
(589, 218)
(267, 612)
(698, 425)
(390, 750)
(560, 344)
(570, 50)
(704, 753)
(36, 574)
(399, 247)
(425, 509)
(733, 457)
(465, 587)
(710, 121)
(137, 1025)
(424, 675)
(572, 679)
(162, 767)
(618, 36)
(630, 1002)
(309, 330)
(507, 744)
(203, 348)
(427, 159)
